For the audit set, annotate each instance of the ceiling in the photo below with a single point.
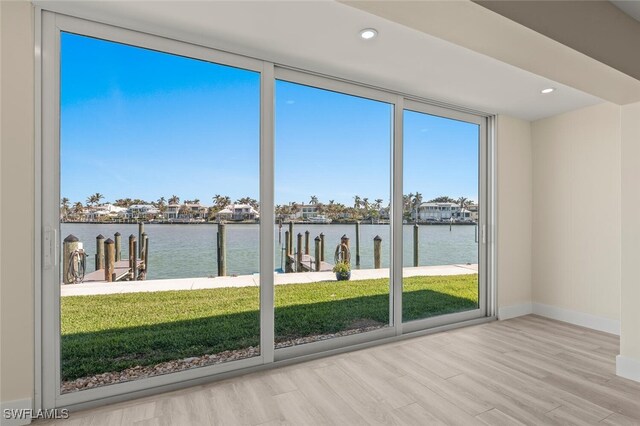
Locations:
(630, 7)
(323, 36)
(596, 28)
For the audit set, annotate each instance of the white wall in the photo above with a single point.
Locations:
(576, 216)
(629, 360)
(17, 200)
(514, 210)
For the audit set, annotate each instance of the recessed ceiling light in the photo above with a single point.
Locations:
(368, 33)
(547, 90)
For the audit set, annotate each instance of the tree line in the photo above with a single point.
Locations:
(362, 208)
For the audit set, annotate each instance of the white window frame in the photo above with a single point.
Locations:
(483, 257)
(53, 25)
(347, 88)
(48, 195)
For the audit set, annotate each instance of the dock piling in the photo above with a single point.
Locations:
(317, 252)
(322, 246)
(140, 232)
(306, 242)
(71, 244)
(222, 250)
(287, 247)
(143, 242)
(345, 249)
(377, 246)
(415, 244)
(291, 236)
(99, 252)
(146, 256)
(133, 262)
(132, 257)
(357, 244)
(287, 253)
(118, 242)
(299, 253)
(109, 260)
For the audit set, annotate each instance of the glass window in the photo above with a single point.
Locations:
(332, 151)
(158, 167)
(440, 257)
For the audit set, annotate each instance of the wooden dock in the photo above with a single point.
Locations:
(121, 270)
(309, 264)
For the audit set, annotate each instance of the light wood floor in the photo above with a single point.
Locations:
(527, 370)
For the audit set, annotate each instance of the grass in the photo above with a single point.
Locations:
(112, 332)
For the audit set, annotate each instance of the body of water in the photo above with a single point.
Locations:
(189, 251)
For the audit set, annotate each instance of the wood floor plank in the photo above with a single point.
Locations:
(495, 417)
(325, 399)
(298, 410)
(370, 407)
(575, 416)
(359, 368)
(416, 414)
(436, 405)
(437, 384)
(508, 404)
(617, 419)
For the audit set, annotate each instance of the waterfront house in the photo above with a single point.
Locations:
(473, 209)
(195, 210)
(437, 212)
(103, 212)
(307, 211)
(142, 211)
(238, 212)
(172, 211)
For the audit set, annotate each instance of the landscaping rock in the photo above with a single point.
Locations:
(139, 372)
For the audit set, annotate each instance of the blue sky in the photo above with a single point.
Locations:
(141, 124)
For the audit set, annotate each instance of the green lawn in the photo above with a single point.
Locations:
(113, 332)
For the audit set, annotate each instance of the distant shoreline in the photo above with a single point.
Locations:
(284, 224)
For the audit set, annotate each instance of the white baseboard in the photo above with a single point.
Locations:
(21, 404)
(512, 311)
(578, 318)
(629, 368)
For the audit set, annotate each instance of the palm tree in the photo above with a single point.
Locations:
(417, 200)
(443, 199)
(314, 200)
(123, 202)
(379, 203)
(221, 201)
(64, 206)
(463, 202)
(295, 208)
(161, 204)
(357, 202)
(174, 199)
(184, 211)
(78, 209)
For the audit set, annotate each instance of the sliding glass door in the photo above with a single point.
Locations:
(442, 213)
(204, 212)
(151, 166)
(332, 195)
